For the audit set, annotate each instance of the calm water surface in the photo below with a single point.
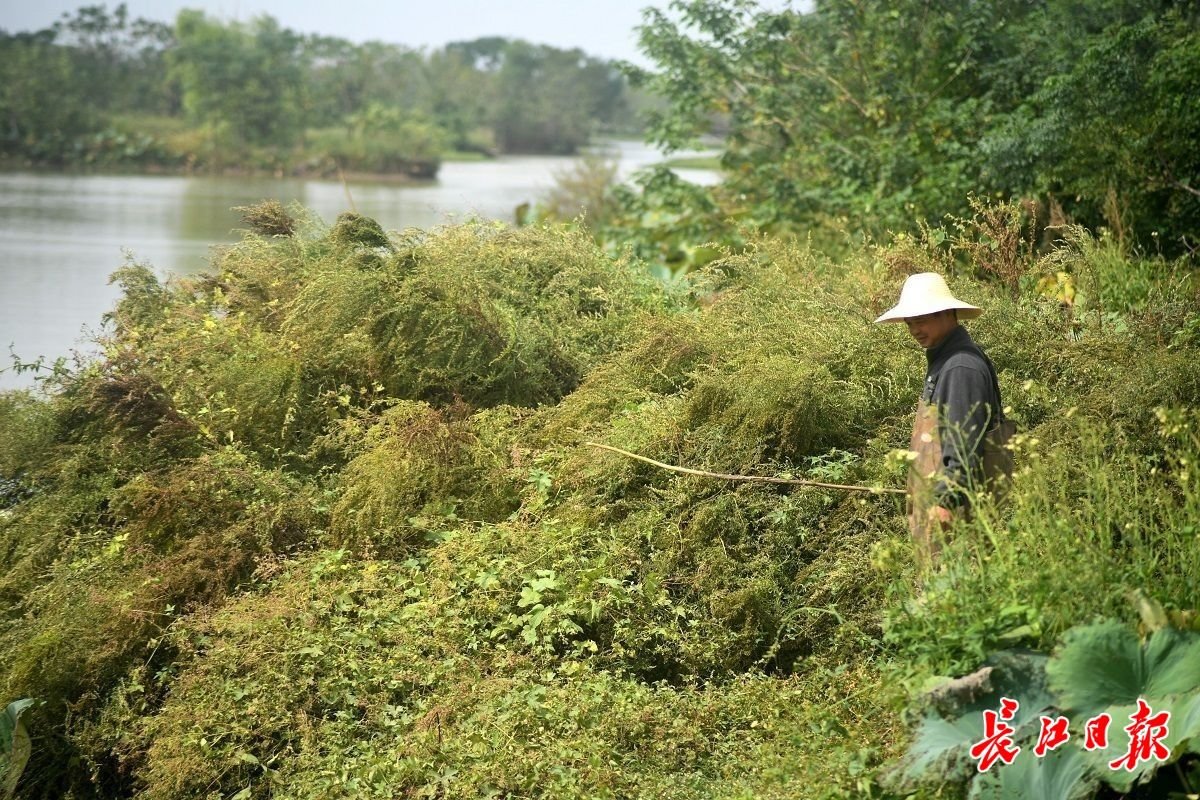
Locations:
(61, 236)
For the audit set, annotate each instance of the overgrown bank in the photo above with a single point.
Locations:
(320, 524)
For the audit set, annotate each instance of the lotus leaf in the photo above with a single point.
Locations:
(1183, 735)
(1063, 774)
(1105, 664)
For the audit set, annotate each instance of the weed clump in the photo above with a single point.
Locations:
(355, 230)
(96, 571)
(268, 218)
(291, 334)
(419, 466)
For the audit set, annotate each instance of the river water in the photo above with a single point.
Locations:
(61, 236)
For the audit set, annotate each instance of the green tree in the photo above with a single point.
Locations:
(549, 100)
(863, 110)
(461, 97)
(92, 64)
(254, 88)
(881, 113)
(119, 62)
(345, 78)
(42, 108)
(1114, 133)
(243, 81)
(336, 78)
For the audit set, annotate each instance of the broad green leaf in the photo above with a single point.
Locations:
(939, 753)
(1062, 774)
(15, 746)
(1018, 674)
(1104, 665)
(940, 750)
(8, 722)
(1172, 663)
(1183, 735)
(544, 583)
(1185, 726)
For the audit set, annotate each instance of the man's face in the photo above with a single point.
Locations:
(930, 329)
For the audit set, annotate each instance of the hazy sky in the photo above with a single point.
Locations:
(599, 27)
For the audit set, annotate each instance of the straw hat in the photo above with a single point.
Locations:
(927, 293)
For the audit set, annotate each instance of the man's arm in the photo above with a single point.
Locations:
(964, 399)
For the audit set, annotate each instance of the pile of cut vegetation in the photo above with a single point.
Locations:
(324, 522)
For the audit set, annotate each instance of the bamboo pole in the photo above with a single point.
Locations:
(746, 478)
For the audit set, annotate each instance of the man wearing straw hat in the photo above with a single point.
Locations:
(960, 430)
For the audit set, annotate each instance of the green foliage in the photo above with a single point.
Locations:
(242, 82)
(669, 223)
(322, 523)
(300, 331)
(29, 428)
(369, 679)
(93, 64)
(886, 114)
(1060, 773)
(1105, 665)
(118, 61)
(100, 565)
(1128, 80)
(418, 464)
(1006, 585)
(268, 218)
(33, 68)
(1099, 668)
(940, 749)
(106, 73)
(382, 140)
(15, 746)
(859, 111)
(585, 191)
(209, 94)
(546, 99)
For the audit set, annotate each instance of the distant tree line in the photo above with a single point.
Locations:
(99, 86)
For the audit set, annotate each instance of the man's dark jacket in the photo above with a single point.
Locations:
(961, 380)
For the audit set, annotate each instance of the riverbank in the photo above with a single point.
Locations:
(417, 172)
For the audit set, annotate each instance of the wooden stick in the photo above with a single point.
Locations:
(346, 188)
(746, 478)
